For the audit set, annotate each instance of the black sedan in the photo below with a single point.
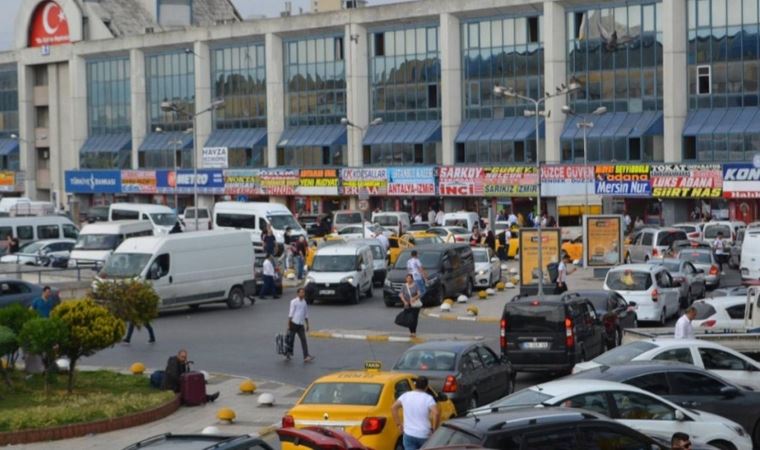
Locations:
(689, 386)
(16, 291)
(604, 302)
(469, 373)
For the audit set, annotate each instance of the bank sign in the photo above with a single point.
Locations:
(741, 180)
(93, 181)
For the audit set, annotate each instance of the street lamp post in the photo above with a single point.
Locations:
(585, 125)
(376, 121)
(500, 91)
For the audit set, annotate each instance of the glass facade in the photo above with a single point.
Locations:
(400, 154)
(496, 152)
(311, 156)
(616, 54)
(9, 113)
(315, 81)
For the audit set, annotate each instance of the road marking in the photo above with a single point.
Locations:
(482, 319)
(385, 337)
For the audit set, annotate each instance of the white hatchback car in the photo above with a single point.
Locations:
(487, 267)
(631, 406)
(40, 253)
(716, 358)
(721, 312)
(650, 286)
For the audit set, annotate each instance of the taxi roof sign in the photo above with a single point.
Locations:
(373, 365)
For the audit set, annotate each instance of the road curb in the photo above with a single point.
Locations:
(451, 317)
(383, 337)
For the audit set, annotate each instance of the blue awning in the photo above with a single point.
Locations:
(107, 143)
(167, 141)
(314, 136)
(415, 132)
(506, 129)
(706, 122)
(238, 138)
(619, 124)
(747, 117)
(8, 146)
(694, 122)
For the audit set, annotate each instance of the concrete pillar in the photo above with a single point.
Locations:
(450, 47)
(675, 74)
(78, 108)
(139, 97)
(27, 152)
(357, 89)
(203, 98)
(55, 127)
(275, 95)
(555, 74)
(70, 134)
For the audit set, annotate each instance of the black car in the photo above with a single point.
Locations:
(469, 373)
(540, 429)
(14, 291)
(689, 386)
(450, 269)
(550, 333)
(201, 442)
(623, 312)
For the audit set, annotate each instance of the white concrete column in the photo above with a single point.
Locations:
(202, 98)
(65, 154)
(275, 95)
(356, 44)
(555, 74)
(78, 108)
(27, 152)
(450, 48)
(675, 74)
(139, 97)
(56, 126)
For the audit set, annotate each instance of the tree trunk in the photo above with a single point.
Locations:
(72, 366)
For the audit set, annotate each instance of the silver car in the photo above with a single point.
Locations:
(652, 243)
(692, 279)
(487, 267)
(703, 259)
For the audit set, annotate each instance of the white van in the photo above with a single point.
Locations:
(188, 269)
(6, 203)
(750, 262)
(255, 217)
(98, 240)
(28, 229)
(343, 218)
(379, 261)
(162, 217)
(203, 220)
(340, 272)
(462, 219)
(398, 221)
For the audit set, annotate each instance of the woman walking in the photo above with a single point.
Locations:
(410, 297)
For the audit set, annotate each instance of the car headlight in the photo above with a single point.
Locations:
(387, 282)
(349, 280)
(308, 280)
(482, 272)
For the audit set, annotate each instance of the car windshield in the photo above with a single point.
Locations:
(704, 310)
(456, 223)
(624, 353)
(283, 221)
(344, 218)
(98, 242)
(672, 266)
(428, 240)
(190, 213)
(480, 256)
(429, 260)
(526, 397)
(377, 252)
(164, 219)
(427, 360)
(227, 220)
(696, 257)
(363, 394)
(32, 247)
(711, 231)
(334, 263)
(125, 265)
(419, 227)
(629, 280)
(665, 239)
(386, 221)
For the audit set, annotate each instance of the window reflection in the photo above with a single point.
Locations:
(108, 110)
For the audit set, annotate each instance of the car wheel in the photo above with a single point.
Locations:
(619, 337)
(357, 296)
(663, 318)
(389, 303)
(369, 293)
(511, 383)
(236, 299)
(468, 290)
(723, 445)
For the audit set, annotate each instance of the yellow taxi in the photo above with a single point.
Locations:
(396, 244)
(514, 243)
(424, 238)
(318, 243)
(359, 403)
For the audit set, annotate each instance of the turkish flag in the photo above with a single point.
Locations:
(48, 25)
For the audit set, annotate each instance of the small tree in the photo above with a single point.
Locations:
(14, 317)
(8, 345)
(133, 301)
(43, 337)
(91, 328)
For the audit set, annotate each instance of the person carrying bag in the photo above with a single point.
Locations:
(410, 297)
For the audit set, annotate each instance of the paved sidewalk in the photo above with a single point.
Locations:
(251, 418)
(383, 336)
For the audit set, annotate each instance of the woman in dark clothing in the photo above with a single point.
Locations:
(491, 240)
(410, 297)
(270, 242)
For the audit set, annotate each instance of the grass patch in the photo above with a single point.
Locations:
(97, 395)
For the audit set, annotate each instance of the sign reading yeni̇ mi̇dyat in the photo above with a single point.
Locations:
(48, 25)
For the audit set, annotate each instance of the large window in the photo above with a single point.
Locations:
(171, 78)
(311, 156)
(239, 75)
(400, 154)
(9, 113)
(496, 152)
(315, 81)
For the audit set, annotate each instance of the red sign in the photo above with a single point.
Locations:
(48, 26)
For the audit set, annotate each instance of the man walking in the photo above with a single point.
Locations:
(562, 274)
(301, 247)
(684, 329)
(267, 271)
(414, 267)
(44, 304)
(298, 324)
(719, 248)
(421, 415)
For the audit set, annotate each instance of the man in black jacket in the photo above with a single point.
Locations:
(175, 367)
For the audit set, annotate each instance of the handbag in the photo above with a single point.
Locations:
(415, 303)
(405, 318)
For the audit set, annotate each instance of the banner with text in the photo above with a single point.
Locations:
(461, 181)
(318, 182)
(279, 181)
(686, 180)
(93, 181)
(563, 180)
(7, 181)
(242, 182)
(411, 181)
(215, 158)
(517, 181)
(604, 237)
(529, 244)
(741, 180)
(370, 181)
(622, 180)
(138, 181)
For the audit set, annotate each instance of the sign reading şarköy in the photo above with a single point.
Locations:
(501, 181)
(686, 180)
(411, 181)
(460, 181)
(626, 180)
(372, 181)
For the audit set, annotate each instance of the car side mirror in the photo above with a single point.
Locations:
(680, 416)
(729, 391)
(441, 397)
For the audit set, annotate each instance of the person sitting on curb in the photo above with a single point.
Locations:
(175, 367)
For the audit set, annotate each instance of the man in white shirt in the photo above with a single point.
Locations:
(512, 219)
(418, 218)
(439, 218)
(298, 324)
(421, 415)
(719, 248)
(627, 221)
(268, 274)
(431, 217)
(683, 325)
(562, 274)
(414, 267)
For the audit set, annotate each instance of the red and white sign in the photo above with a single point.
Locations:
(566, 180)
(460, 181)
(48, 25)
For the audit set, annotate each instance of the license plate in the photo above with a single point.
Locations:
(535, 345)
(327, 292)
(336, 428)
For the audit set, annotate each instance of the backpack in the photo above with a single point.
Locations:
(157, 378)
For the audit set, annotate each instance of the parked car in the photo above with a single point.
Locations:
(487, 267)
(610, 302)
(40, 253)
(397, 222)
(20, 292)
(550, 333)
(340, 272)
(650, 286)
(97, 214)
(721, 312)
(690, 387)
(343, 218)
(320, 438)
(630, 406)
(367, 231)
(379, 261)
(677, 246)
(729, 291)
(704, 260)
(692, 280)
(419, 227)
(532, 428)
(201, 441)
(693, 230)
(713, 357)
(452, 235)
(469, 373)
(652, 243)
(728, 228)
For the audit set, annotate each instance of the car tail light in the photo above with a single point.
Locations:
(450, 385)
(713, 270)
(288, 422)
(569, 338)
(694, 235)
(655, 252)
(708, 323)
(373, 425)
(655, 295)
(503, 334)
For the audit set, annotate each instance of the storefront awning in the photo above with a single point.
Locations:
(238, 138)
(314, 136)
(416, 132)
(8, 146)
(705, 122)
(107, 143)
(155, 142)
(619, 124)
(506, 129)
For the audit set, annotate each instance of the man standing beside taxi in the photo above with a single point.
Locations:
(421, 415)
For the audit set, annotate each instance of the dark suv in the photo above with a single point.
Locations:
(201, 441)
(450, 269)
(550, 333)
(540, 429)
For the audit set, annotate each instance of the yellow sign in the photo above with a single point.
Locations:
(529, 245)
(603, 240)
(373, 365)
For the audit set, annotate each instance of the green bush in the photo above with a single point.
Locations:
(133, 301)
(43, 337)
(14, 317)
(8, 346)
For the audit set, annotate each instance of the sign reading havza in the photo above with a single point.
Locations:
(48, 25)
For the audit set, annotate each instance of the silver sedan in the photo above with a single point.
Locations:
(691, 279)
(703, 259)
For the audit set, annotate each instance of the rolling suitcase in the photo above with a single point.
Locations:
(192, 388)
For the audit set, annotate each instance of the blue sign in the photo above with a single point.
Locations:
(210, 181)
(93, 181)
(624, 188)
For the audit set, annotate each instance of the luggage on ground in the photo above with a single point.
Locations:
(192, 388)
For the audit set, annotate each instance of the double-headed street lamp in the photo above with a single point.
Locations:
(173, 107)
(348, 123)
(585, 124)
(500, 91)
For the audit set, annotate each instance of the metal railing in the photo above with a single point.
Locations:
(44, 274)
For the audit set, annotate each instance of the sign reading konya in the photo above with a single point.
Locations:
(686, 180)
(629, 180)
(48, 25)
(741, 180)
